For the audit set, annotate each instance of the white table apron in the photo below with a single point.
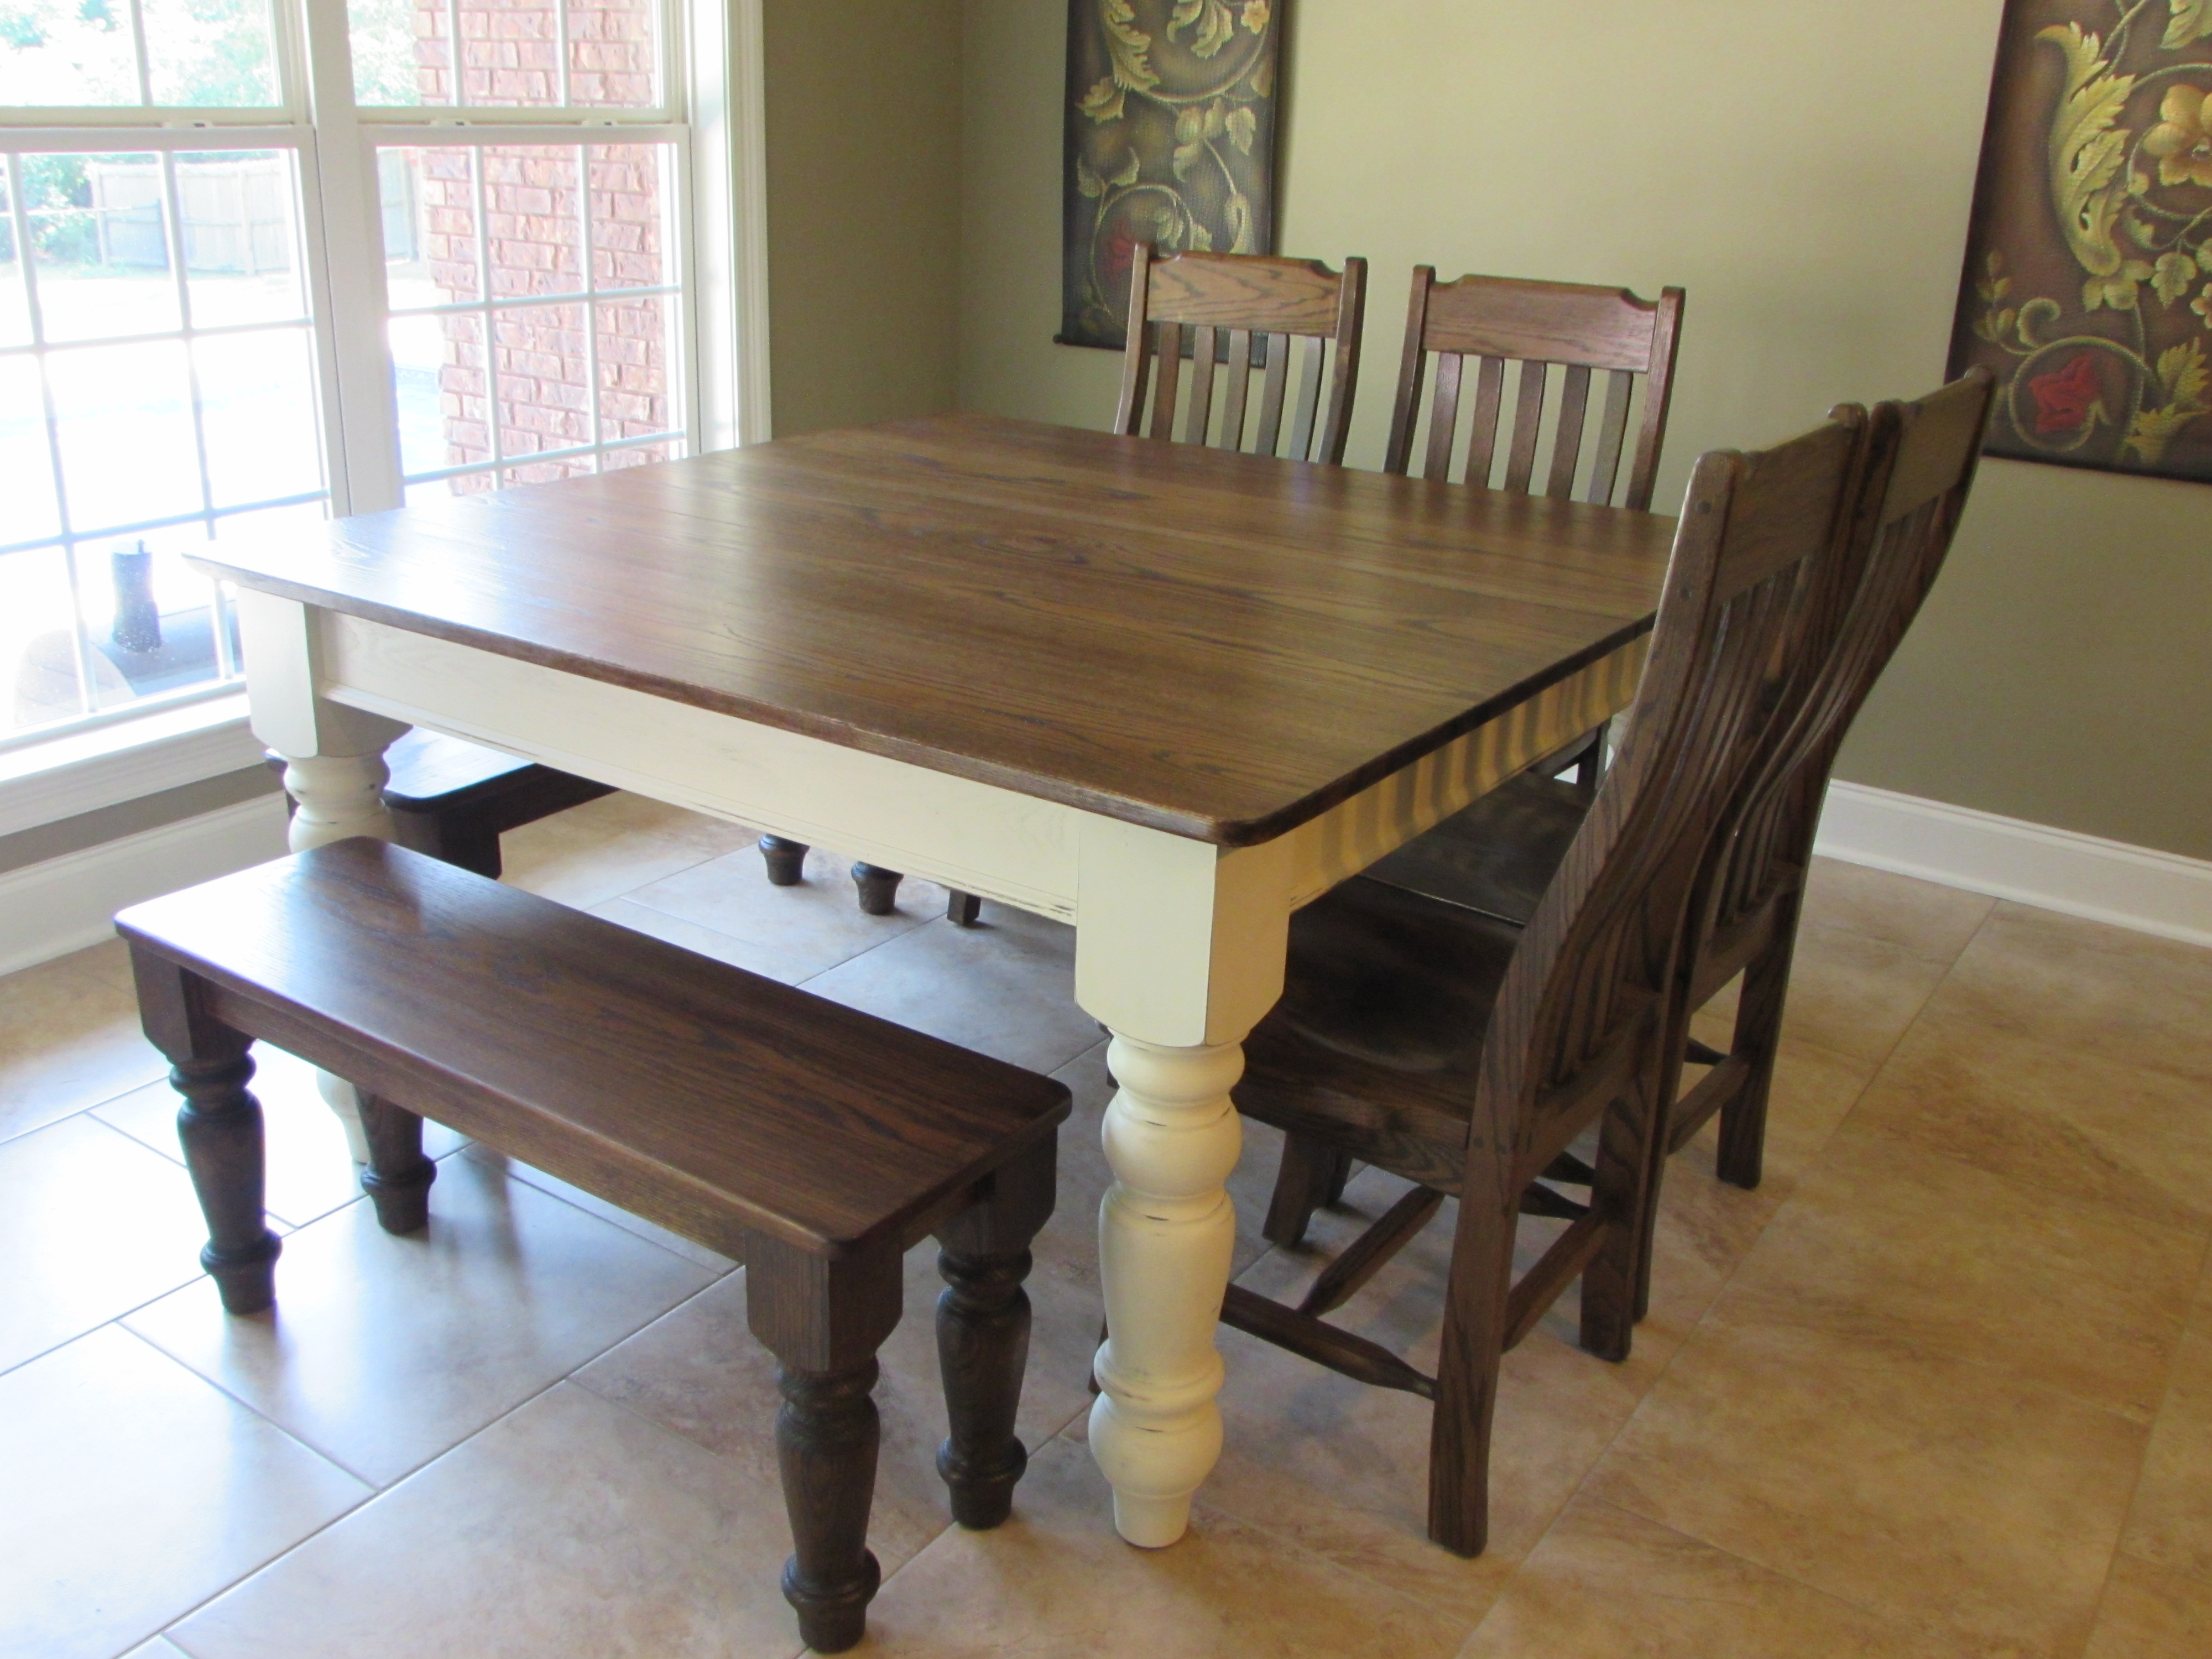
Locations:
(1179, 943)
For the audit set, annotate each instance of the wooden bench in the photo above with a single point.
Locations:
(453, 800)
(815, 1142)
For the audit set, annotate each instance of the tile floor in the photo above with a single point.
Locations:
(1942, 1387)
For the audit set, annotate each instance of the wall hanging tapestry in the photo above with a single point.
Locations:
(1170, 140)
(2088, 278)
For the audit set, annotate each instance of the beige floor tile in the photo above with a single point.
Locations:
(2088, 1126)
(1917, 1486)
(570, 1528)
(2082, 985)
(134, 1493)
(713, 1261)
(1005, 989)
(93, 1224)
(384, 1352)
(1055, 1582)
(160, 1648)
(602, 849)
(726, 908)
(69, 1039)
(311, 1167)
(1606, 1584)
(1896, 1248)
(1851, 993)
(2151, 1614)
(2171, 1523)
(1929, 920)
(700, 1372)
(1813, 1090)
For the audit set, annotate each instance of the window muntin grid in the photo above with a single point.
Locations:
(332, 315)
(534, 314)
(88, 542)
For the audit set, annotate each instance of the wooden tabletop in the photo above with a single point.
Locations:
(1218, 644)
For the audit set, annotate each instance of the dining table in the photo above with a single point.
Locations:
(1163, 693)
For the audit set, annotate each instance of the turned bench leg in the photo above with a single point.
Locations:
(823, 1318)
(785, 860)
(220, 1128)
(397, 1177)
(877, 888)
(983, 1336)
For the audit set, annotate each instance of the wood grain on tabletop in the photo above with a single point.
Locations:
(1218, 644)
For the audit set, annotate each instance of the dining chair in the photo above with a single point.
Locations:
(1239, 314)
(1497, 857)
(1496, 323)
(1465, 1055)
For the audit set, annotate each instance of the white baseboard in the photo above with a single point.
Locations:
(2160, 893)
(63, 904)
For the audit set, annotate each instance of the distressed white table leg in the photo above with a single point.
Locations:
(333, 760)
(1179, 950)
(1167, 1230)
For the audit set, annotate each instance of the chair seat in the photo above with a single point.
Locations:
(1376, 1041)
(1497, 856)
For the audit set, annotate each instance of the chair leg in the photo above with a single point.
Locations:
(983, 1337)
(878, 888)
(1302, 1184)
(397, 1177)
(1742, 1153)
(1467, 1371)
(1625, 1189)
(823, 1319)
(1589, 768)
(962, 909)
(219, 1127)
(785, 860)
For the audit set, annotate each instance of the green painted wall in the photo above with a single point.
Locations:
(863, 123)
(1805, 170)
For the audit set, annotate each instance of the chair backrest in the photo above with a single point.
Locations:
(1921, 470)
(1492, 321)
(1244, 311)
(1580, 1006)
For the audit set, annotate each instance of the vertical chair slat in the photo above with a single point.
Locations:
(1170, 376)
(1528, 416)
(1308, 410)
(1239, 387)
(1205, 343)
(1612, 431)
(1443, 416)
(1272, 390)
(1482, 441)
(1567, 442)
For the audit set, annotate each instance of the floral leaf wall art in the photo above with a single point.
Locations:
(1170, 122)
(2088, 280)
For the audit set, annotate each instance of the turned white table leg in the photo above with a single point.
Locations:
(1166, 1232)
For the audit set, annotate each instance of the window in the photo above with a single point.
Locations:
(476, 264)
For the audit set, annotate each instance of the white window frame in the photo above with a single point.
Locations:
(724, 262)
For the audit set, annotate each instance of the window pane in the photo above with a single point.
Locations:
(444, 490)
(630, 243)
(209, 52)
(510, 52)
(27, 511)
(67, 51)
(635, 397)
(239, 208)
(99, 245)
(533, 232)
(258, 415)
(150, 620)
(38, 647)
(542, 360)
(638, 455)
(399, 50)
(125, 419)
(429, 198)
(15, 311)
(419, 373)
(613, 53)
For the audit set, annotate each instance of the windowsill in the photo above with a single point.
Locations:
(81, 772)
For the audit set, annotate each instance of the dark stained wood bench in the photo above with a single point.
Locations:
(453, 800)
(815, 1142)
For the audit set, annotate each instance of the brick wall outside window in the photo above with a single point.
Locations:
(541, 356)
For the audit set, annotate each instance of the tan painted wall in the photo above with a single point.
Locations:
(863, 118)
(1804, 170)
